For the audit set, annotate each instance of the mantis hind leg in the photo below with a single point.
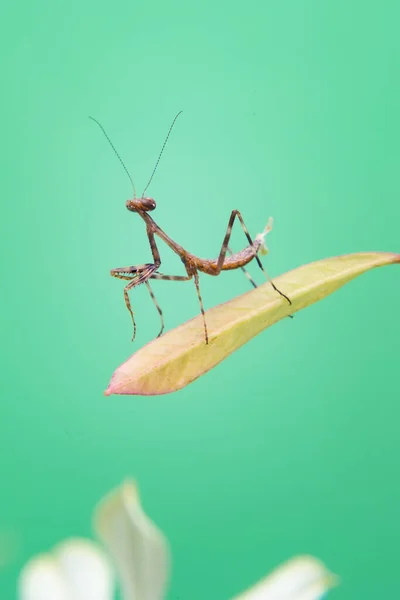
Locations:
(224, 249)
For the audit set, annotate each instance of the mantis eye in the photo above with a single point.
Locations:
(147, 204)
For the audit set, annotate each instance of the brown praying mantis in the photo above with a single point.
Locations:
(138, 274)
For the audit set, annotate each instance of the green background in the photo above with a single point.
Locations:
(291, 109)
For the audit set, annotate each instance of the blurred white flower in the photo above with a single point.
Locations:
(78, 569)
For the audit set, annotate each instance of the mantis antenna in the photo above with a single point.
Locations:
(162, 150)
(117, 154)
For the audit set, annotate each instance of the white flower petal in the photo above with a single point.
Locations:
(302, 578)
(138, 547)
(76, 570)
(87, 570)
(43, 579)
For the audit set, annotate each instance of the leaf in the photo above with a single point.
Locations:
(180, 356)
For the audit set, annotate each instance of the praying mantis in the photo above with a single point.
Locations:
(144, 273)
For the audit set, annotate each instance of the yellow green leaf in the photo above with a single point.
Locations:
(180, 356)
